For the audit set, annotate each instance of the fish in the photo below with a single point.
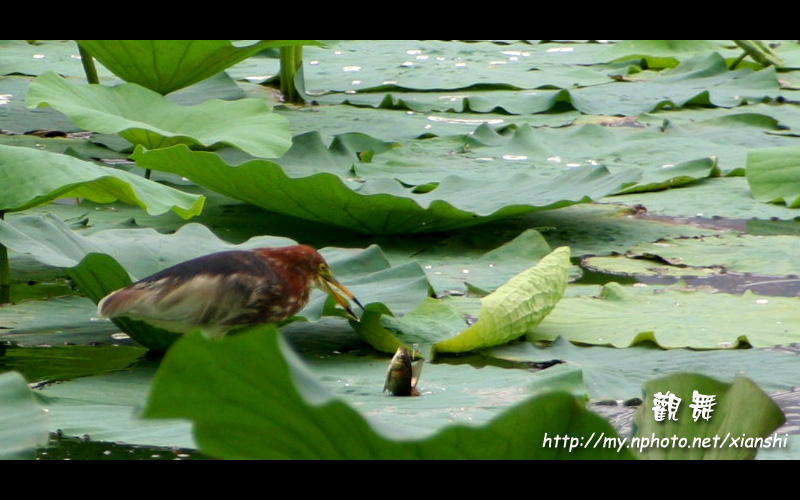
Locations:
(403, 374)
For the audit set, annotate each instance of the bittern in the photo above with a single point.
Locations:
(222, 291)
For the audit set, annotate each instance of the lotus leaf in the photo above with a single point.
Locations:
(144, 117)
(516, 307)
(29, 177)
(167, 65)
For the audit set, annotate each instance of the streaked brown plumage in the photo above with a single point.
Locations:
(227, 290)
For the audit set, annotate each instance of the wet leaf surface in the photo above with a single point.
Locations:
(447, 157)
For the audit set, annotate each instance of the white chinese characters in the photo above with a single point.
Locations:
(701, 406)
(666, 406)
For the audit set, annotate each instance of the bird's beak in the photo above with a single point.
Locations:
(329, 283)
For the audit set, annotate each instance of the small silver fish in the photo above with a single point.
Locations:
(403, 374)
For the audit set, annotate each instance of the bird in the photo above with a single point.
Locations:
(222, 291)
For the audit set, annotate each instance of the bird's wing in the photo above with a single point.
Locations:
(219, 289)
(198, 301)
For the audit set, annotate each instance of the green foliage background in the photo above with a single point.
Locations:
(431, 173)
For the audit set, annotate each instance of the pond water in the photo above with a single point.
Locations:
(83, 448)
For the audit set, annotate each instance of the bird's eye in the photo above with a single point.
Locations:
(323, 269)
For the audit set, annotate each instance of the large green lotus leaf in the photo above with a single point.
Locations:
(389, 125)
(383, 206)
(23, 424)
(663, 160)
(440, 66)
(515, 102)
(728, 197)
(52, 363)
(505, 144)
(694, 133)
(730, 137)
(231, 220)
(555, 150)
(660, 53)
(29, 177)
(449, 393)
(618, 374)
(168, 65)
(107, 407)
(145, 117)
(451, 268)
(772, 255)
(309, 155)
(236, 416)
(77, 148)
(620, 265)
(420, 165)
(788, 51)
(17, 117)
(774, 175)
(141, 251)
(704, 80)
(670, 176)
(219, 86)
(603, 229)
(41, 56)
(785, 117)
(516, 307)
(625, 316)
(741, 414)
(61, 320)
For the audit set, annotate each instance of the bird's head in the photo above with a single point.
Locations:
(304, 267)
(331, 285)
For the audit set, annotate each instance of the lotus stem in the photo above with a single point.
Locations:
(5, 272)
(759, 52)
(291, 61)
(88, 65)
(735, 63)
